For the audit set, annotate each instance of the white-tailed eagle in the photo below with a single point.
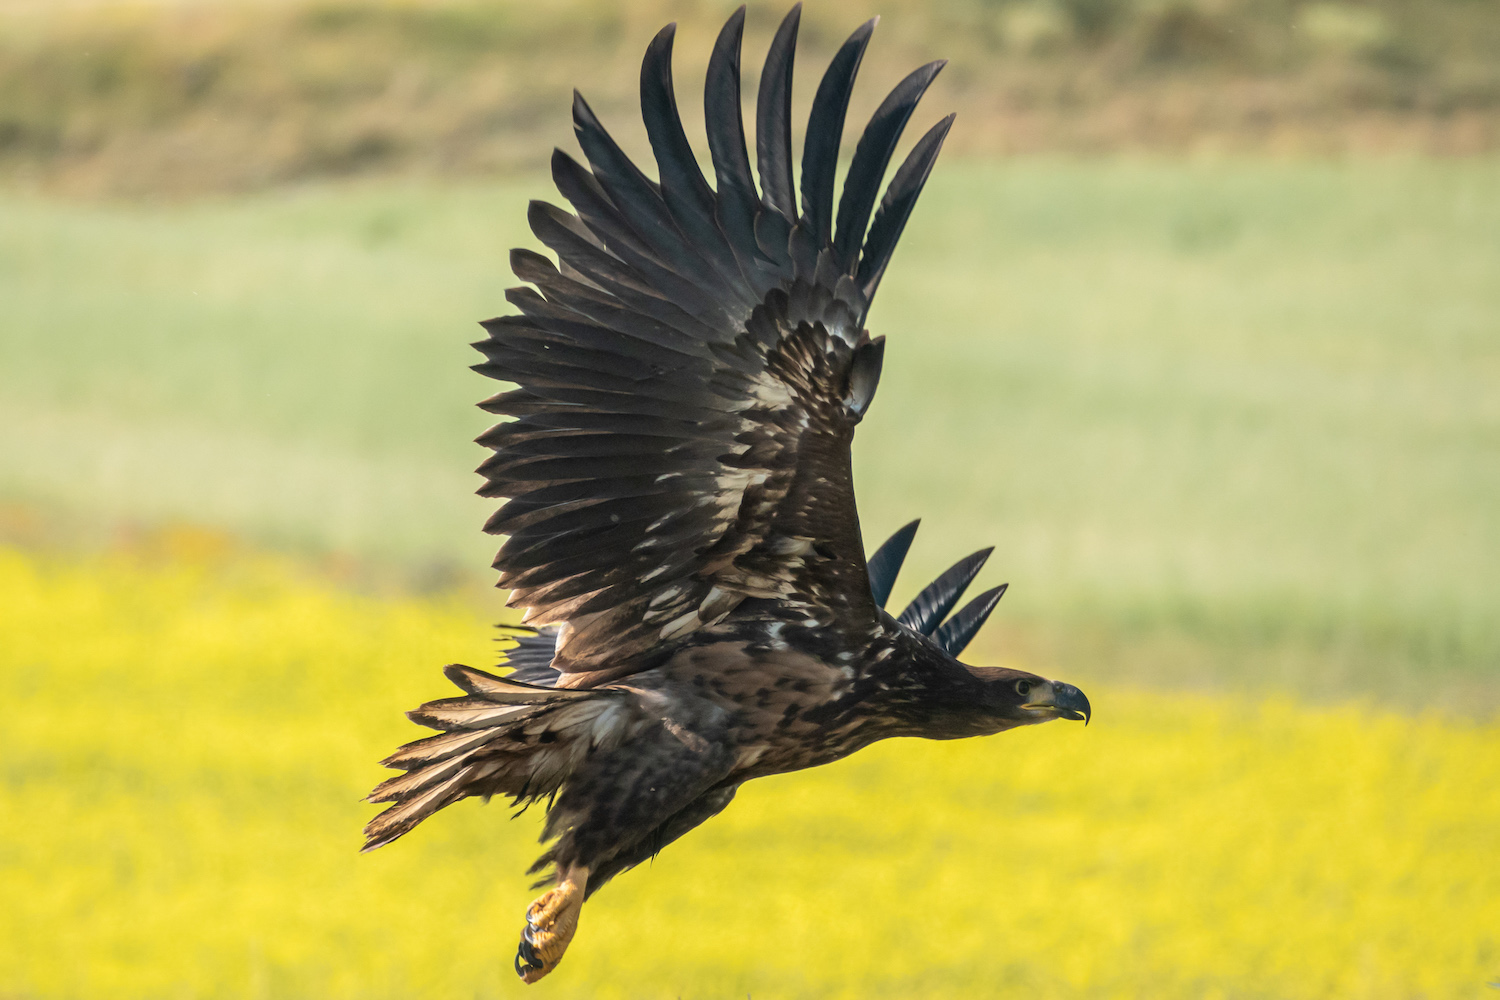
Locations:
(679, 508)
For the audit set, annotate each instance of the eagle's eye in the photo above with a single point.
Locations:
(1023, 688)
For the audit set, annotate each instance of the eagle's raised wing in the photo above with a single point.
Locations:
(690, 373)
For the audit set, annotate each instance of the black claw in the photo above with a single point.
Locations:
(527, 954)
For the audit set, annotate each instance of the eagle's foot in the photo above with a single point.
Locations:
(550, 924)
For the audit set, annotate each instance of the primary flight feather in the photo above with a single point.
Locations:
(679, 505)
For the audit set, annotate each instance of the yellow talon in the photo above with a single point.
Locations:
(550, 924)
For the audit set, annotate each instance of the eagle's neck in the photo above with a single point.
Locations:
(919, 690)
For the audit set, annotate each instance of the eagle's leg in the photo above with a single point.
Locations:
(704, 807)
(615, 806)
(550, 923)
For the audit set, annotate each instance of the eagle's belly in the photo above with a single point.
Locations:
(777, 708)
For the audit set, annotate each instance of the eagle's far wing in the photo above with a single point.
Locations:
(689, 375)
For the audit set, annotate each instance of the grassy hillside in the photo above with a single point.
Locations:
(194, 95)
(185, 746)
(1232, 424)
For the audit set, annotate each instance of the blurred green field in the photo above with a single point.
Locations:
(1230, 423)
(187, 737)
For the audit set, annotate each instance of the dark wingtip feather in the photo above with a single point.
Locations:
(895, 208)
(773, 118)
(825, 130)
(871, 156)
(722, 114)
(724, 122)
(677, 166)
(929, 607)
(957, 632)
(885, 564)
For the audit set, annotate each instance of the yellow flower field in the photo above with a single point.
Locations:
(185, 742)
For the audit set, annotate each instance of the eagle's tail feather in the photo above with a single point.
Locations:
(503, 737)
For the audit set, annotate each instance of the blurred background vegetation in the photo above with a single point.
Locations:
(1198, 323)
(162, 97)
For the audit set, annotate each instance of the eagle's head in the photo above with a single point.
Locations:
(967, 701)
(1022, 699)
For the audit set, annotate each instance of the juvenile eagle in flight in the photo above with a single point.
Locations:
(679, 505)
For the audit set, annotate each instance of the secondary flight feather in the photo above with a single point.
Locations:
(687, 375)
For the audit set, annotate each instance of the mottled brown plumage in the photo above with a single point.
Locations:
(680, 510)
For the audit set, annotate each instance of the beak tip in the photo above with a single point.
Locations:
(1076, 702)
